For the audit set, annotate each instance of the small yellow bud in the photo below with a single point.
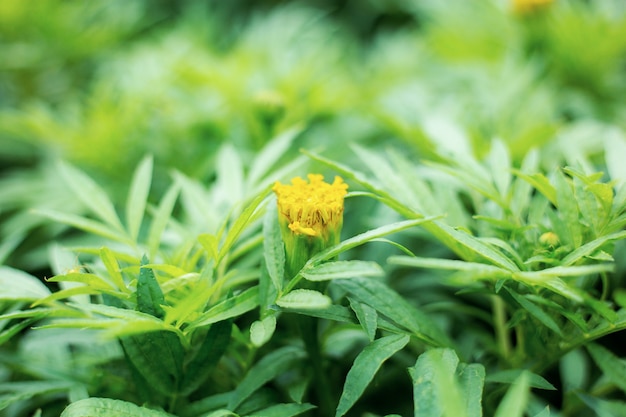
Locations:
(549, 239)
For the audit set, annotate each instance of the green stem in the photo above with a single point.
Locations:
(501, 330)
(309, 327)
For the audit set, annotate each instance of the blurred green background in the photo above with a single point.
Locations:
(103, 83)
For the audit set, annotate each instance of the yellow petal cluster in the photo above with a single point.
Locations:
(529, 6)
(311, 207)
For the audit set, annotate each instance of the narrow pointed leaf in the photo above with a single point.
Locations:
(514, 402)
(265, 370)
(138, 196)
(273, 247)
(342, 269)
(365, 367)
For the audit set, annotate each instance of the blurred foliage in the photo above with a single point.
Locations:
(501, 120)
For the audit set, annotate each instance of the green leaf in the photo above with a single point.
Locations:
(158, 357)
(7, 334)
(231, 307)
(366, 237)
(150, 298)
(265, 370)
(514, 402)
(614, 149)
(541, 183)
(471, 382)
(511, 375)
(20, 286)
(261, 331)
(271, 152)
(499, 161)
(246, 216)
(207, 356)
(365, 366)
(476, 246)
(342, 269)
(138, 196)
(113, 268)
(283, 410)
(304, 299)
(390, 304)
(536, 312)
(367, 316)
(273, 247)
(13, 392)
(87, 225)
(161, 218)
(435, 391)
(568, 209)
(591, 247)
(613, 368)
(90, 193)
(106, 407)
(479, 269)
(604, 408)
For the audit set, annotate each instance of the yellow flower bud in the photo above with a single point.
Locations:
(549, 239)
(310, 215)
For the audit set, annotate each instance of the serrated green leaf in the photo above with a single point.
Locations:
(365, 367)
(283, 410)
(138, 196)
(367, 316)
(207, 356)
(304, 299)
(91, 194)
(471, 379)
(514, 402)
(435, 391)
(106, 407)
(150, 298)
(261, 331)
(390, 304)
(342, 269)
(273, 247)
(265, 370)
(612, 367)
(158, 357)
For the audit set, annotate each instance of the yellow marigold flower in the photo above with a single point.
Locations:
(529, 6)
(312, 207)
(310, 215)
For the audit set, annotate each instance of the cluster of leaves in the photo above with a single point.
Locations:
(497, 294)
(205, 320)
